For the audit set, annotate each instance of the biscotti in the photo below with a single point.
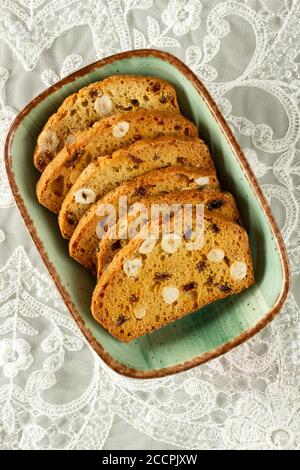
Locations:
(215, 203)
(103, 138)
(151, 283)
(114, 95)
(107, 172)
(84, 240)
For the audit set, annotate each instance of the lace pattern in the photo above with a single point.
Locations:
(246, 399)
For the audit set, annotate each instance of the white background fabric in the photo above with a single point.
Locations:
(54, 391)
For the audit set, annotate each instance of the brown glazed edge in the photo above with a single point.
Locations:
(115, 365)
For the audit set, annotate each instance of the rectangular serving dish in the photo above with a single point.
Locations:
(216, 328)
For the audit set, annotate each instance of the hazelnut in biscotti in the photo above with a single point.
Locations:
(108, 172)
(113, 95)
(168, 284)
(85, 239)
(104, 138)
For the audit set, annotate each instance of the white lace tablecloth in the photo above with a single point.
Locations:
(54, 391)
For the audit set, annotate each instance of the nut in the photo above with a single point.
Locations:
(170, 294)
(170, 242)
(103, 105)
(202, 181)
(132, 266)
(48, 141)
(216, 255)
(71, 139)
(85, 196)
(120, 129)
(106, 265)
(139, 312)
(147, 246)
(238, 270)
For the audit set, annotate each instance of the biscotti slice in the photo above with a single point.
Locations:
(114, 95)
(104, 138)
(217, 203)
(107, 172)
(84, 241)
(145, 289)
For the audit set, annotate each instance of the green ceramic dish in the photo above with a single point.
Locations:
(206, 333)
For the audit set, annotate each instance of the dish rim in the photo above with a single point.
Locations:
(105, 356)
